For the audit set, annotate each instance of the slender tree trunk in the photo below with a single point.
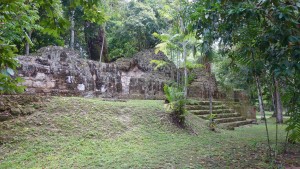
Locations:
(178, 70)
(262, 105)
(185, 70)
(274, 115)
(264, 115)
(210, 92)
(274, 103)
(72, 28)
(279, 118)
(102, 46)
(94, 41)
(260, 101)
(27, 45)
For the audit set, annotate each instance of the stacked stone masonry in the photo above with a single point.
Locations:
(60, 71)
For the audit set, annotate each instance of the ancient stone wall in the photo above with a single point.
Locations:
(200, 87)
(60, 71)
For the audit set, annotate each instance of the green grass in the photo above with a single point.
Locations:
(269, 114)
(90, 133)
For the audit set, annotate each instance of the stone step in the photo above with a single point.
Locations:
(204, 107)
(219, 116)
(232, 125)
(230, 119)
(204, 103)
(216, 111)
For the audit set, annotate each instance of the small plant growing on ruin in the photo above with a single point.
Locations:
(212, 123)
(176, 104)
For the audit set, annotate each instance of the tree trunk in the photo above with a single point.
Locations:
(185, 70)
(210, 92)
(274, 103)
(260, 101)
(27, 45)
(72, 28)
(279, 117)
(102, 46)
(95, 41)
(264, 115)
(178, 70)
(262, 105)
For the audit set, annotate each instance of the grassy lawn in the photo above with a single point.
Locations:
(91, 133)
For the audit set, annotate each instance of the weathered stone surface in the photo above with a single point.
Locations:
(17, 105)
(201, 86)
(5, 116)
(60, 71)
(28, 110)
(39, 84)
(15, 111)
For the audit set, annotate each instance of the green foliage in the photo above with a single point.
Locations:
(261, 36)
(16, 17)
(292, 101)
(190, 65)
(191, 77)
(177, 101)
(38, 23)
(294, 127)
(158, 63)
(94, 14)
(9, 84)
(131, 31)
(212, 124)
(51, 19)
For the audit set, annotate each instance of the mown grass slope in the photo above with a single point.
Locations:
(74, 132)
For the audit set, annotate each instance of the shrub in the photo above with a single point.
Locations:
(176, 104)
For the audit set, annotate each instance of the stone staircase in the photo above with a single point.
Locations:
(225, 117)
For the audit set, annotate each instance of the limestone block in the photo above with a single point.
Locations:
(27, 83)
(103, 89)
(30, 90)
(51, 84)
(28, 78)
(15, 111)
(40, 76)
(81, 87)
(46, 90)
(5, 116)
(62, 86)
(39, 84)
(70, 79)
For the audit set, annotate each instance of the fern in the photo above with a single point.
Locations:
(294, 127)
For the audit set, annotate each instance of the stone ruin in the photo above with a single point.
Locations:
(60, 71)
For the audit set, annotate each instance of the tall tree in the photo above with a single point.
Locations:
(272, 26)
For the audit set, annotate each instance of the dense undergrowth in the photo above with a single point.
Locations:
(91, 133)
